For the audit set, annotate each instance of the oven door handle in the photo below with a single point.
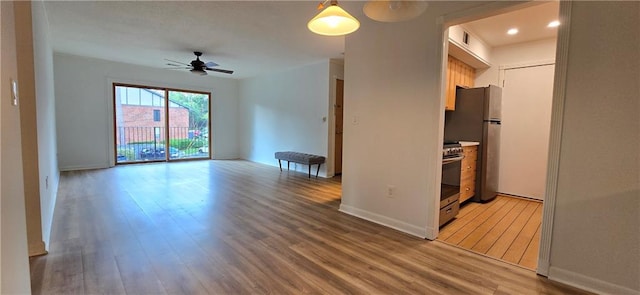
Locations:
(446, 161)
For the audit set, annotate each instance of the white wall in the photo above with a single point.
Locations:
(285, 111)
(84, 107)
(512, 55)
(14, 263)
(28, 125)
(46, 117)
(596, 240)
(393, 115)
(392, 93)
(523, 151)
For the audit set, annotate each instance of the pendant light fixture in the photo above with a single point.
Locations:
(333, 21)
(394, 10)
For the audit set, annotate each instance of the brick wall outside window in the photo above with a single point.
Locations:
(139, 123)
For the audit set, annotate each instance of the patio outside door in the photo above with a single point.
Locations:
(157, 124)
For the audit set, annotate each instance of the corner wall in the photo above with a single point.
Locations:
(14, 261)
(285, 111)
(517, 54)
(393, 115)
(28, 125)
(49, 174)
(596, 241)
(84, 107)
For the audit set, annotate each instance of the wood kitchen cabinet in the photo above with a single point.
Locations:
(468, 173)
(458, 74)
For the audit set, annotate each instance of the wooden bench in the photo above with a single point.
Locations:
(300, 158)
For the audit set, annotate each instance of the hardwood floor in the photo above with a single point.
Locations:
(236, 227)
(506, 228)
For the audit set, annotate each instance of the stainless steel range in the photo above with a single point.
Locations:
(452, 156)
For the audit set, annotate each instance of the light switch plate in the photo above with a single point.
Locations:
(14, 92)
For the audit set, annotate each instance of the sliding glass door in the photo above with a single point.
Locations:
(189, 124)
(160, 124)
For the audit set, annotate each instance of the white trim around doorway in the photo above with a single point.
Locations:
(555, 138)
(562, 49)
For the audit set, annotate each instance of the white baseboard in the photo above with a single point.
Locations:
(588, 283)
(543, 268)
(90, 167)
(385, 221)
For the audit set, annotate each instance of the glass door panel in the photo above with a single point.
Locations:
(188, 125)
(140, 124)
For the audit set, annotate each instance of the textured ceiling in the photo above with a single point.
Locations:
(250, 37)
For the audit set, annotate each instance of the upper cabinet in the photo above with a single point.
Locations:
(458, 74)
(466, 54)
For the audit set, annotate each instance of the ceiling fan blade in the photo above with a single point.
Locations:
(175, 65)
(211, 64)
(181, 68)
(178, 62)
(220, 71)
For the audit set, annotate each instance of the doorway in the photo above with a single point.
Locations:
(339, 122)
(509, 227)
(155, 124)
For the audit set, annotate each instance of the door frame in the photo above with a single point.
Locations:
(557, 111)
(335, 123)
(336, 72)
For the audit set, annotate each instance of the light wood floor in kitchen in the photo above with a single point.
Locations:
(506, 228)
(236, 227)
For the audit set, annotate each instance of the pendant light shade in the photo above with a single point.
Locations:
(394, 10)
(333, 21)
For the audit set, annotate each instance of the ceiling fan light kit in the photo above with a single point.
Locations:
(394, 11)
(333, 21)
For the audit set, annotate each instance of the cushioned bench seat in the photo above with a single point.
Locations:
(300, 158)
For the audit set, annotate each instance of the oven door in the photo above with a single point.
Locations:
(450, 188)
(451, 170)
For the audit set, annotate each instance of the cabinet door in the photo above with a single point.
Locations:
(458, 74)
(450, 97)
(468, 173)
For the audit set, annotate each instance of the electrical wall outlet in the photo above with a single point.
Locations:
(391, 191)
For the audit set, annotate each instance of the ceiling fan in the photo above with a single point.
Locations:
(197, 66)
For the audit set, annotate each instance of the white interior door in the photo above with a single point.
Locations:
(526, 119)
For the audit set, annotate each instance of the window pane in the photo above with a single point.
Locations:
(140, 129)
(133, 96)
(188, 123)
(145, 98)
(144, 120)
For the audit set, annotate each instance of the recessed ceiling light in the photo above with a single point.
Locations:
(512, 31)
(553, 24)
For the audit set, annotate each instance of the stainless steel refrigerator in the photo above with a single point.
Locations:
(477, 117)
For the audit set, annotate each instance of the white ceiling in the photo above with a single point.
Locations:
(250, 37)
(531, 22)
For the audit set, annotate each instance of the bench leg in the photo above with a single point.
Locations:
(318, 171)
(280, 164)
(309, 171)
(288, 165)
